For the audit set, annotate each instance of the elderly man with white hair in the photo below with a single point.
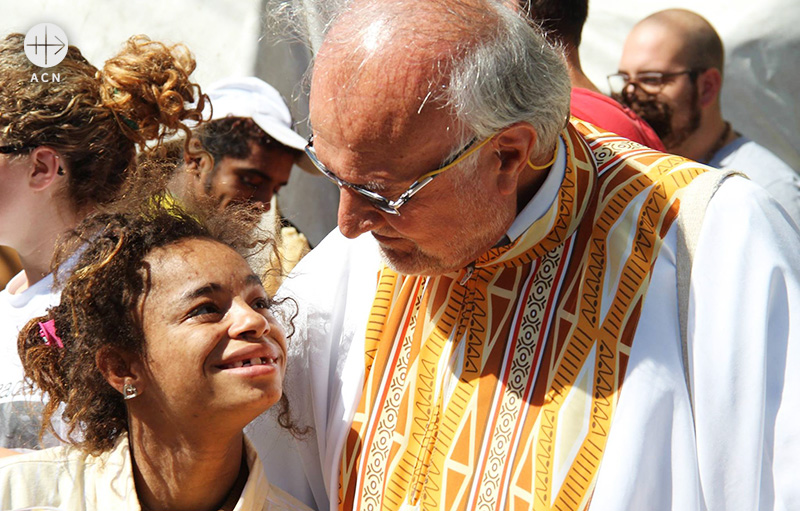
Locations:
(519, 311)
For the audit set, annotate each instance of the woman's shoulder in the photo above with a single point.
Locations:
(66, 476)
(56, 456)
(35, 478)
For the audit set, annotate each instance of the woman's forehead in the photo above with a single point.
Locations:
(196, 261)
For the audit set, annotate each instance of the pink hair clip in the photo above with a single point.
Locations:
(48, 332)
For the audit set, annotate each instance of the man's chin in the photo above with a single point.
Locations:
(401, 262)
(414, 262)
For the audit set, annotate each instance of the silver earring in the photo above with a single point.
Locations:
(129, 391)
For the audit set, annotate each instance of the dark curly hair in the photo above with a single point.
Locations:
(561, 20)
(231, 136)
(108, 281)
(96, 118)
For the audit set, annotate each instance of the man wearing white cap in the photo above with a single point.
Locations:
(246, 151)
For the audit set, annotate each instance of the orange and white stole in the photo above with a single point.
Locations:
(497, 391)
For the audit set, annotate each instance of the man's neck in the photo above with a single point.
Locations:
(180, 184)
(712, 135)
(576, 75)
(531, 181)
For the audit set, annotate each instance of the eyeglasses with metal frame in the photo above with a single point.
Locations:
(377, 200)
(651, 82)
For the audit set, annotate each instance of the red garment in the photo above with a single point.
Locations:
(606, 113)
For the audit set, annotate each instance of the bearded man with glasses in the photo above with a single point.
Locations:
(670, 73)
(495, 324)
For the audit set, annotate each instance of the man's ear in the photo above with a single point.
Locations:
(47, 167)
(198, 161)
(709, 85)
(513, 147)
(120, 367)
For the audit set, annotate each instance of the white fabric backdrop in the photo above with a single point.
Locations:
(222, 34)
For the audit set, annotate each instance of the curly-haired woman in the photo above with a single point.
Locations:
(163, 347)
(67, 147)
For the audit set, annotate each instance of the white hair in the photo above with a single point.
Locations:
(494, 68)
(511, 74)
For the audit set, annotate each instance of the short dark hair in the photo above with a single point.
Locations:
(231, 137)
(561, 20)
(702, 45)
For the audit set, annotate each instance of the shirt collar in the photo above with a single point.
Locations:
(543, 198)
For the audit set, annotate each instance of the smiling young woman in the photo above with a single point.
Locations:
(164, 346)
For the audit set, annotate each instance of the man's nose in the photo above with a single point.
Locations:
(629, 90)
(633, 90)
(263, 196)
(356, 216)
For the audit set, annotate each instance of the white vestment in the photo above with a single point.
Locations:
(736, 448)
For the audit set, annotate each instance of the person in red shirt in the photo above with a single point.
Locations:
(562, 21)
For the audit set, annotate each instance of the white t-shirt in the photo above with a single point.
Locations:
(20, 409)
(765, 169)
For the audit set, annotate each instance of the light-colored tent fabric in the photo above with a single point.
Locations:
(223, 34)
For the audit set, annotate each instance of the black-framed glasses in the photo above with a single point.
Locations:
(377, 200)
(650, 82)
(16, 148)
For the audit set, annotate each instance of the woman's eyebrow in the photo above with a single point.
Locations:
(253, 280)
(213, 287)
(201, 291)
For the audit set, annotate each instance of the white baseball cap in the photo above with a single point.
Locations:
(255, 98)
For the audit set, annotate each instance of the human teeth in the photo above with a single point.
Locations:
(252, 362)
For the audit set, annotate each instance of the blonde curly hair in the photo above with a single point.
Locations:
(95, 118)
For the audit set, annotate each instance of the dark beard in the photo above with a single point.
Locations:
(656, 113)
(659, 116)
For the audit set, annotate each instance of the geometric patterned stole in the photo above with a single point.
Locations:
(497, 391)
